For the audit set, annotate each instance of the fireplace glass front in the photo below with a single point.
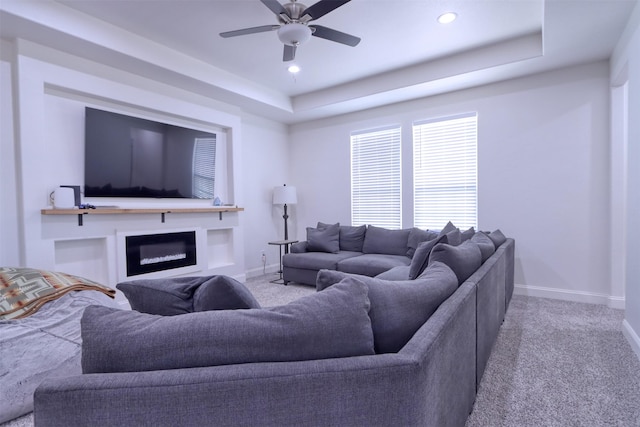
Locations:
(157, 252)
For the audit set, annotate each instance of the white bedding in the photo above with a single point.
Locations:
(43, 345)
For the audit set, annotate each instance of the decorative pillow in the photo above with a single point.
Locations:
(380, 240)
(417, 236)
(351, 237)
(420, 259)
(454, 237)
(298, 247)
(180, 295)
(324, 239)
(334, 323)
(485, 244)
(223, 293)
(166, 297)
(463, 259)
(448, 228)
(497, 238)
(400, 308)
(467, 234)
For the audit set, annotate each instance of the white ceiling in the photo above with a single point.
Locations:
(404, 54)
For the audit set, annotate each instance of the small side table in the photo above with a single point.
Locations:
(281, 244)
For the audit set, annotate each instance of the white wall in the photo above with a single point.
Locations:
(9, 249)
(51, 91)
(543, 172)
(625, 68)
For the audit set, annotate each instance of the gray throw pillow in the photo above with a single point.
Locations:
(166, 297)
(454, 237)
(485, 244)
(463, 259)
(400, 308)
(467, 234)
(180, 295)
(417, 236)
(448, 228)
(497, 238)
(330, 324)
(223, 293)
(351, 237)
(326, 239)
(420, 259)
(380, 240)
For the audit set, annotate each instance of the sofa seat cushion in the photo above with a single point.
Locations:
(316, 260)
(180, 295)
(372, 264)
(330, 324)
(399, 308)
(396, 273)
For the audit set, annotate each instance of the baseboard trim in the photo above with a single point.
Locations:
(632, 337)
(269, 269)
(567, 295)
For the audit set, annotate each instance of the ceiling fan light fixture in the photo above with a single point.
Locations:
(293, 69)
(294, 34)
(447, 18)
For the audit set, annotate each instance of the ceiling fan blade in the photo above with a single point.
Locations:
(334, 35)
(275, 7)
(323, 7)
(252, 30)
(289, 53)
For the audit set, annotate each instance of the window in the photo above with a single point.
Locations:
(204, 167)
(376, 178)
(445, 172)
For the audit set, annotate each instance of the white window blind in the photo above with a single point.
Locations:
(376, 178)
(445, 172)
(204, 167)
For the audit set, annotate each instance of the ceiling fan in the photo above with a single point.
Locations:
(294, 29)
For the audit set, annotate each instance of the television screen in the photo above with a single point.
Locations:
(132, 157)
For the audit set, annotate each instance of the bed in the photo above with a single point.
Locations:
(40, 315)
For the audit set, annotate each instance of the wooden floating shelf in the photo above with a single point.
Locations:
(134, 211)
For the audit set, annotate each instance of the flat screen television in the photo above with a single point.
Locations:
(132, 157)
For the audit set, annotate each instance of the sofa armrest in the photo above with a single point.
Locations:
(299, 247)
(323, 392)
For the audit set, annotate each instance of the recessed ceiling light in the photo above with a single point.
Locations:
(447, 18)
(293, 69)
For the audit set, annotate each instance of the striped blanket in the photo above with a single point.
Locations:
(24, 290)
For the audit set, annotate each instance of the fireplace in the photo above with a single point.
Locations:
(157, 254)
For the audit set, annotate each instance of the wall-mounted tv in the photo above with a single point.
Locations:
(132, 157)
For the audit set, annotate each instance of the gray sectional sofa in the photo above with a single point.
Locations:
(340, 361)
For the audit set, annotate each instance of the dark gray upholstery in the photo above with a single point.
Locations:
(351, 237)
(399, 308)
(485, 244)
(431, 381)
(420, 258)
(417, 236)
(396, 273)
(463, 259)
(380, 240)
(448, 228)
(497, 238)
(372, 264)
(467, 234)
(180, 295)
(334, 323)
(317, 260)
(325, 239)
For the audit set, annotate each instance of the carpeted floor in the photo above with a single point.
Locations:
(559, 363)
(555, 363)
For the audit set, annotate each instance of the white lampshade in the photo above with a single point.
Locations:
(285, 195)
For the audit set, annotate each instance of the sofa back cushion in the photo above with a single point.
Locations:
(497, 237)
(420, 259)
(399, 308)
(485, 244)
(417, 236)
(323, 325)
(463, 259)
(380, 240)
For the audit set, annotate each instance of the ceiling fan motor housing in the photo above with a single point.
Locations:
(294, 34)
